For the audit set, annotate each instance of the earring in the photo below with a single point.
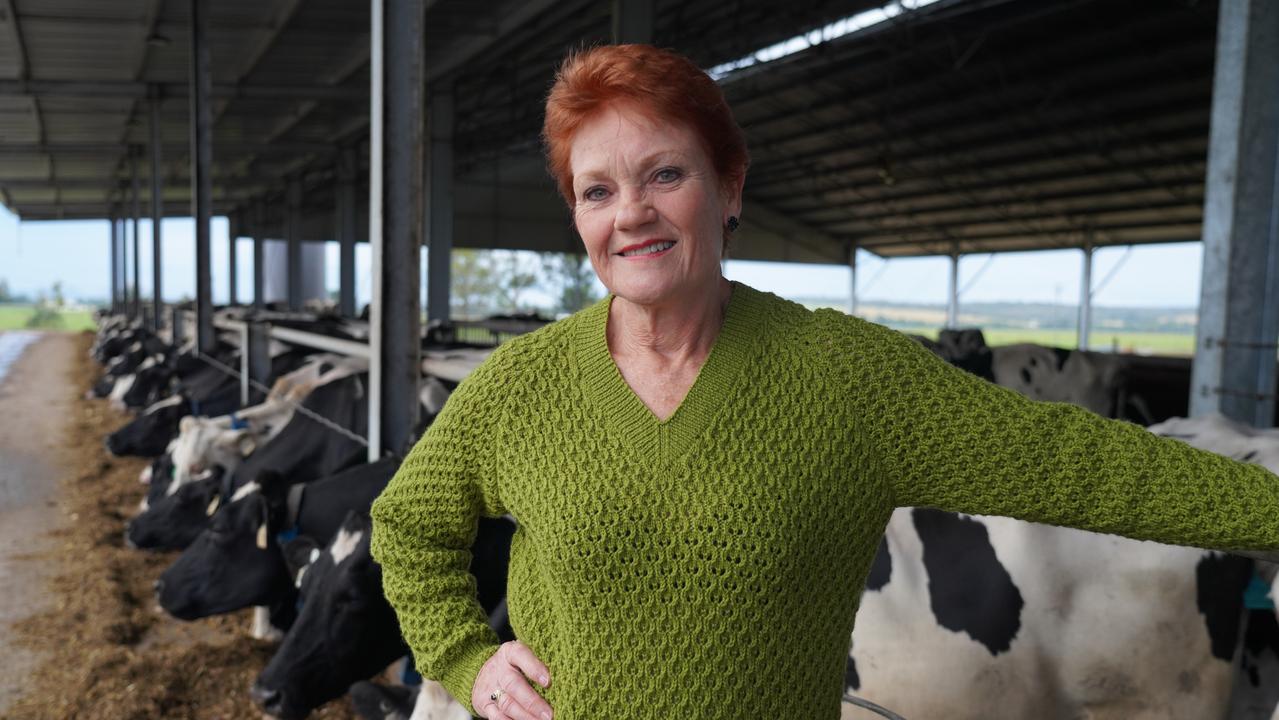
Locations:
(732, 223)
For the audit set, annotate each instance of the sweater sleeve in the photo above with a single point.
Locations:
(950, 440)
(423, 527)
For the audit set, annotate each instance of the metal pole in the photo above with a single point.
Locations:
(259, 254)
(1085, 298)
(439, 205)
(1234, 368)
(201, 163)
(293, 236)
(258, 355)
(396, 215)
(852, 279)
(632, 21)
(157, 214)
(952, 308)
(115, 265)
(135, 308)
(347, 162)
(233, 237)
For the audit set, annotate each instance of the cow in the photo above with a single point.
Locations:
(428, 701)
(174, 521)
(149, 434)
(346, 631)
(975, 616)
(237, 561)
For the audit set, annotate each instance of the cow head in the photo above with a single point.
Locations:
(234, 563)
(174, 521)
(345, 631)
(150, 432)
(204, 444)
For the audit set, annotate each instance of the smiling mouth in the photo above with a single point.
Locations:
(649, 249)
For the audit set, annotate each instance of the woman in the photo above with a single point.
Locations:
(701, 472)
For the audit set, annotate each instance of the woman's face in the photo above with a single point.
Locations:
(649, 206)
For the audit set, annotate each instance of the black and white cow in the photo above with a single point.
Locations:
(173, 522)
(978, 617)
(428, 701)
(149, 434)
(346, 631)
(237, 561)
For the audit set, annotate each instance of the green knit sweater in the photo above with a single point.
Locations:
(708, 567)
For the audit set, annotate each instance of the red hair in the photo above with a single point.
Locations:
(662, 84)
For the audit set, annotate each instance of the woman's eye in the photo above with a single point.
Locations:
(595, 194)
(666, 175)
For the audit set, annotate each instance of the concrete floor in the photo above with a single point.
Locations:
(34, 403)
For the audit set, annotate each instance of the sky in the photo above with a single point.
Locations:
(34, 255)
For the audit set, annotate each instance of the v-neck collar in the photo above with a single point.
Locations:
(628, 416)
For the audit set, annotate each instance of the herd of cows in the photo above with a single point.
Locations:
(962, 616)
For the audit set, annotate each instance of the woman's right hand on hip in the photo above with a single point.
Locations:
(502, 691)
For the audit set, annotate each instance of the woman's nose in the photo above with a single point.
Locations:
(634, 211)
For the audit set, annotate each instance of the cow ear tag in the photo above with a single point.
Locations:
(213, 505)
(262, 537)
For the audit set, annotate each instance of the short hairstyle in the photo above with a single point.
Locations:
(663, 84)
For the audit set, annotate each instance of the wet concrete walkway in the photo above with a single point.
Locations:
(34, 402)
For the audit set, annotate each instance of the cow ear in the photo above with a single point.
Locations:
(262, 536)
(186, 424)
(299, 552)
(247, 444)
(213, 505)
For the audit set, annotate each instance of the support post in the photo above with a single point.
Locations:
(256, 360)
(852, 278)
(135, 305)
(396, 215)
(233, 236)
(115, 265)
(157, 213)
(347, 162)
(1234, 368)
(259, 254)
(293, 236)
(632, 21)
(439, 205)
(1085, 298)
(201, 178)
(952, 307)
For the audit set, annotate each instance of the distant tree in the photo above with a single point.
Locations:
(513, 276)
(46, 314)
(58, 299)
(5, 295)
(473, 283)
(571, 277)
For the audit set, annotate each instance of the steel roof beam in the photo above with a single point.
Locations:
(138, 90)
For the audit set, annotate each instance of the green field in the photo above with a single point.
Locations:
(1149, 343)
(15, 317)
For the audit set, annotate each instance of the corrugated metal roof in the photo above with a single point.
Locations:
(970, 125)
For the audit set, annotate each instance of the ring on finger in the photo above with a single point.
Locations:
(496, 696)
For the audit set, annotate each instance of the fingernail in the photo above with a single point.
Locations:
(545, 681)
(546, 716)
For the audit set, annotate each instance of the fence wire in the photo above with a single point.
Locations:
(297, 406)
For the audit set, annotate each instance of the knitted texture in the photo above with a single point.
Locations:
(709, 566)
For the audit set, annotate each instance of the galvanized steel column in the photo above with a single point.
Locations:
(348, 160)
(115, 265)
(259, 254)
(233, 235)
(201, 179)
(396, 214)
(157, 215)
(1234, 368)
(135, 305)
(952, 307)
(1085, 299)
(852, 279)
(293, 236)
(439, 205)
(632, 21)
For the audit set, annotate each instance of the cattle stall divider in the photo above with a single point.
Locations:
(255, 340)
